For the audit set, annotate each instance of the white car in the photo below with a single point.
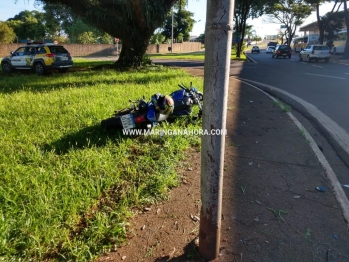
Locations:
(270, 49)
(315, 52)
(337, 50)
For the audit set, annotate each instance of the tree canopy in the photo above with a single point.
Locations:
(7, 35)
(290, 13)
(134, 22)
(28, 24)
(182, 25)
(243, 10)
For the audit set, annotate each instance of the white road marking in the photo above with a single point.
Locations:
(317, 66)
(346, 73)
(326, 76)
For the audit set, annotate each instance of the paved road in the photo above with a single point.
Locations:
(324, 85)
(319, 90)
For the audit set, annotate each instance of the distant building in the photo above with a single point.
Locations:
(310, 29)
(313, 29)
(270, 37)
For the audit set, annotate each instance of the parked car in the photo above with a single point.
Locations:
(282, 50)
(38, 56)
(270, 49)
(255, 49)
(315, 52)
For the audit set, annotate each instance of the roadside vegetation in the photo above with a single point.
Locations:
(67, 187)
(192, 56)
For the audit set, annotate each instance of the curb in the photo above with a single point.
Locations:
(341, 63)
(339, 192)
(335, 135)
(249, 58)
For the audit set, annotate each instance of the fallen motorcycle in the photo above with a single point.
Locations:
(144, 115)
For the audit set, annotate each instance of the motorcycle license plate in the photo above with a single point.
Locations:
(127, 121)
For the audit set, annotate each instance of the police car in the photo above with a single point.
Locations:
(38, 56)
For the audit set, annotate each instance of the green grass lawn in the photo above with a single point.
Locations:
(67, 187)
(192, 56)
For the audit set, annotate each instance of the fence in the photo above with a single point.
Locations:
(111, 50)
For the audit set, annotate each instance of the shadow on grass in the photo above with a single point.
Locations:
(16, 82)
(96, 136)
(92, 136)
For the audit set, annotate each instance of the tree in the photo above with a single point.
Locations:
(80, 32)
(328, 22)
(87, 38)
(249, 32)
(243, 10)
(290, 13)
(182, 25)
(134, 22)
(346, 17)
(105, 39)
(157, 38)
(316, 4)
(15, 25)
(332, 21)
(7, 35)
(60, 21)
(201, 38)
(57, 19)
(28, 25)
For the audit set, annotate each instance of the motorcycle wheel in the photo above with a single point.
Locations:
(111, 123)
(115, 122)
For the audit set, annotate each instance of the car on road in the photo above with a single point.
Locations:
(270, 49)
(282, 50)
(315, 52)
(255, 49)
(38, 56)
(274, 44)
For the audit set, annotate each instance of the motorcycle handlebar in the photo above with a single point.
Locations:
(182, 86)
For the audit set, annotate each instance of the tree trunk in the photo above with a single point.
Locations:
(346, 15)
(240, 20)
(132, 53)
(289, 36)
(238, 53)
(320, 25)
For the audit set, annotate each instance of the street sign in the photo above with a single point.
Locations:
(237, 35)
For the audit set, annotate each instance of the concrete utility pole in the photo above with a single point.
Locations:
(218, 37)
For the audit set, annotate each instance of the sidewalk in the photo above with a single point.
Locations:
(338, 59)
(272, 210)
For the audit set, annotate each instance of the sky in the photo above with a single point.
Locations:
(8, 9)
